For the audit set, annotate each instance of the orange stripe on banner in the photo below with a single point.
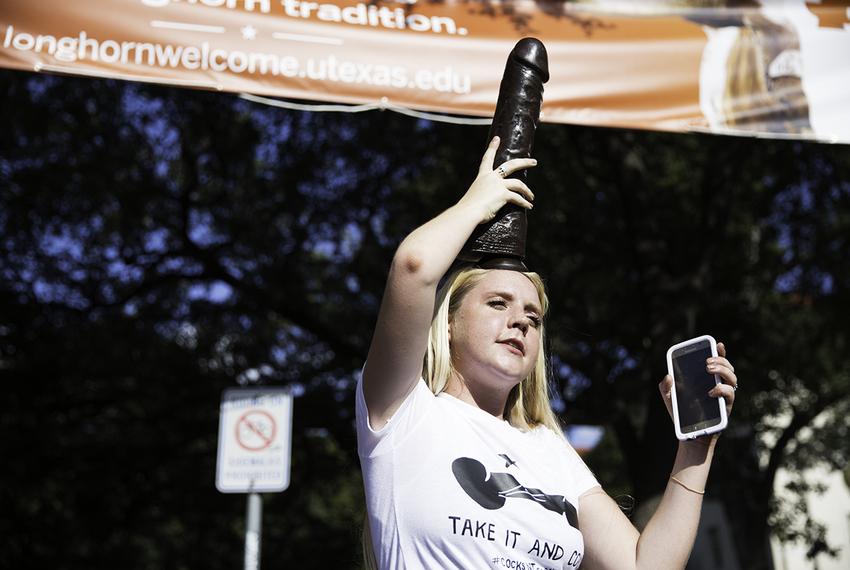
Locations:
(668, 68)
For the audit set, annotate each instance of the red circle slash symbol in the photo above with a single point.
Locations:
(255, 430)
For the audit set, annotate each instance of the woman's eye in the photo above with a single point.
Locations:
(535, 321)
(497, 303)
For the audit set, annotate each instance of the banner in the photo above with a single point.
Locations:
(780, 70)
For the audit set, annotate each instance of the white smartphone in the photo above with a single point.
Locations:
(695, 413)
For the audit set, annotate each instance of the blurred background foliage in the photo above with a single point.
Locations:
(158, 246)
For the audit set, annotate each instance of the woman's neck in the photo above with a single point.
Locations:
(474, 394)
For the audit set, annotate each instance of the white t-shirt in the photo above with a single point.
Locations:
(450, 486)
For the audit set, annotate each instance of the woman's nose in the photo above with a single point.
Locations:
(521, 322)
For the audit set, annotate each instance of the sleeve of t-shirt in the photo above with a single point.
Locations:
(371, 442)
(583, 478)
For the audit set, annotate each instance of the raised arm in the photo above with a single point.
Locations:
(611, 542)
(400, 339)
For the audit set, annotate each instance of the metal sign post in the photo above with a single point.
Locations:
(253, 531)
(254, 453)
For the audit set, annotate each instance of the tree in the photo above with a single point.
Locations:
(687, 235)
(160, 245)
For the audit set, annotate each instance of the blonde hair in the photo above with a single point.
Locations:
(528, 404)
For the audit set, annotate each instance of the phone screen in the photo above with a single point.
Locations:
(697, 410)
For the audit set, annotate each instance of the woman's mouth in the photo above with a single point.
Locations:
(515, 344)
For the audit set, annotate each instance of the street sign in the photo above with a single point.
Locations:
(254, 440)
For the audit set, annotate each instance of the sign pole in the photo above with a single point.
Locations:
(254, 452)
(253, 531)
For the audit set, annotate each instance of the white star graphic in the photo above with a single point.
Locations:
(249, 32)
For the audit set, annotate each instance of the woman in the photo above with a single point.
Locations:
(479, 476)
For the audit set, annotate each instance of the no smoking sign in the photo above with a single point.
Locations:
(254, 440)
(255, 430)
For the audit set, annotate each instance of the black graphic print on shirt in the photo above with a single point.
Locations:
(491, 492)
(508, 460)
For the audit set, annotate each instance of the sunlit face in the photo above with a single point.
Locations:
(495, 333)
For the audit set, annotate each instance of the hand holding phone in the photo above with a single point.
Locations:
(695, 413)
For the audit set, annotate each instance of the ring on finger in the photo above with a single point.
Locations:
(735, 388)
(501, 171)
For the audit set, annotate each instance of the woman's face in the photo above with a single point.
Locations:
(495, 333)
